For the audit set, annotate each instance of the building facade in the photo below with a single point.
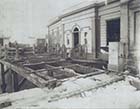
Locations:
(109, 29)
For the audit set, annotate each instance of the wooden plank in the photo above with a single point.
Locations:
(5, 72)
(34, 64)
(50, 72)
(42, 63)
(43, 74)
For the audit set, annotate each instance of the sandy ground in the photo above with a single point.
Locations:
(117, 95)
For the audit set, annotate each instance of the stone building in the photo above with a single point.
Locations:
(110, 29)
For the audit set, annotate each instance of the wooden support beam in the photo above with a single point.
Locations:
(3, 85)
(43, 63)
(30, 76)
(49, 70)
(43, 74)
(82, 69)
(43, 59)
(5, 72)
(34, 64)
(14, 81)
(21, 82)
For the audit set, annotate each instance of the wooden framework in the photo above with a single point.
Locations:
(29, 75)
(46, 76)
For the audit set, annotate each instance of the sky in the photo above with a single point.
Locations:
(23, 19)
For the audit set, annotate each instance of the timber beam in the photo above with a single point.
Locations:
(3, 84)
(21, 82)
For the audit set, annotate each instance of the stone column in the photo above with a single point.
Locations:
(63, 34)
(95, 34)
(97, 31)
(93, 38)
(123, 47)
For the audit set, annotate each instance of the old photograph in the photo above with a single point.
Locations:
(69, 54)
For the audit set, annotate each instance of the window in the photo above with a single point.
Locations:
(76, 37)
(85, 40)
(67, 37)
(76, 30)
(68, 41)
(85, 34)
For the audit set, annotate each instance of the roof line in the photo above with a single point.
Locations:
(77, 11)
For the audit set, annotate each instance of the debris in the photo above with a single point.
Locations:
(5, 104)
(135, 82)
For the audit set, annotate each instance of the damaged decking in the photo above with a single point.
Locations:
(56, 79)
(45, 72)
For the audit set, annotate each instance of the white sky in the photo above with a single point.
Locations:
(21, 19)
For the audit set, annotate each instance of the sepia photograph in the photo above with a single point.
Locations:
(69, 54)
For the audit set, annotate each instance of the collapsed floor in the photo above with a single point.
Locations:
(67, 84)
(45, 71)
(92, 92)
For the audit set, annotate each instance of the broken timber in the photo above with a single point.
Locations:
(43, 75)
(58, 72)
(30, 76)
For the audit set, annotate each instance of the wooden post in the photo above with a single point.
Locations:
(3, 84)
(14, 81)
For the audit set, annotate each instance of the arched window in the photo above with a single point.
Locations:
(68, 41)
(76, 30)
(76, 37)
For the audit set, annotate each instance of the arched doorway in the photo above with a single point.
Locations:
(76, 37)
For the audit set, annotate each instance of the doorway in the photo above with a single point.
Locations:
(76, 37)
(113, 30)
(113, 37)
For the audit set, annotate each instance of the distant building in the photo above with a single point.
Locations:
(41, 42)
(41, 45)
(112, 26)
(4, 41)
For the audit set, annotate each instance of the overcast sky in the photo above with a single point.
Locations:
(21, 19)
